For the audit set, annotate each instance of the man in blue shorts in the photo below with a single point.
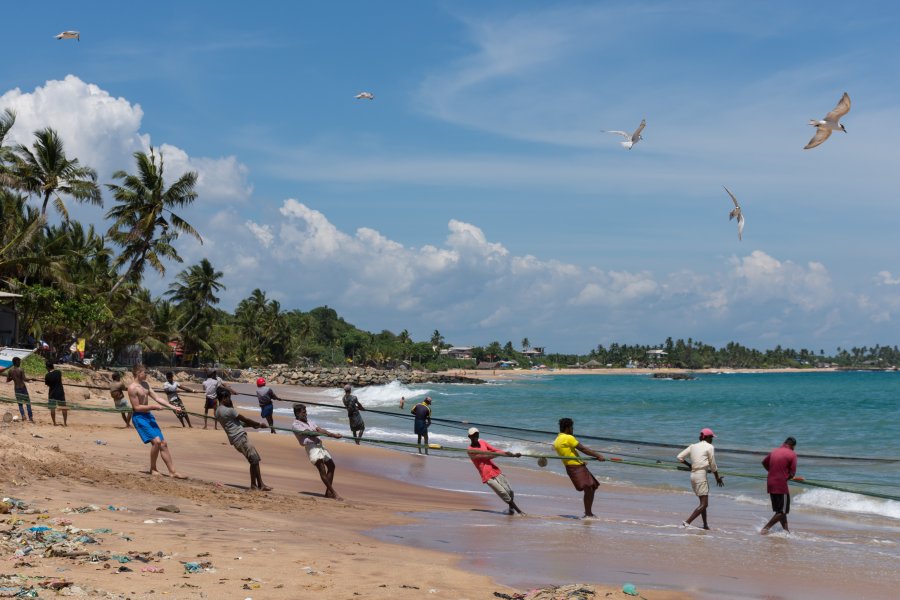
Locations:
(422, 413)
(139, 394)
(265, 395)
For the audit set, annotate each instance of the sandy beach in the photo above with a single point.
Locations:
(288, 543)
(408, 527)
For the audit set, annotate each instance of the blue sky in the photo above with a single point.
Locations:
(476, 194)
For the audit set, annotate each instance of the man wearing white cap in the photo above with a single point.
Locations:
(703, 460)
(490, 473)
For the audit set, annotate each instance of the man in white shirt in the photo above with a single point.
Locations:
(703, 460)
(303, 426)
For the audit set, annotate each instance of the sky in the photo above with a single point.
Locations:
(477, 194)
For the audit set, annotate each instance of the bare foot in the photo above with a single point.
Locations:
(155, 472)
(764, 531)
(178, 475)
(264, 488)
(706, 527)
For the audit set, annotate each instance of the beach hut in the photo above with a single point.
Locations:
(592, 364)
(9, 319)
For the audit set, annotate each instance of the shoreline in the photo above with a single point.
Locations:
(325, 547)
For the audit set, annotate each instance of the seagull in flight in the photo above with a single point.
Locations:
(831, 122)
(365, 96)
(630, 138)
(69, 35)
(736, 213)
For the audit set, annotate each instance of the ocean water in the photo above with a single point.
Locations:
(844, 542)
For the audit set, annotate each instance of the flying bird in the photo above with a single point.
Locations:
(365, 96)
(831, 122)
(736, 213)
(69, 35)
(630, 138)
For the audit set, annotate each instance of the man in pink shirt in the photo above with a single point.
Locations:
(781, 463)
(490, 473)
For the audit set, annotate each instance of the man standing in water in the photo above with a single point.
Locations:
(16, 374)
(781, 463)
(56, 395)
(422, 413)
(265, 395)
(491, 475)
(316, 452)
(703, 459)
(139, 394)
(353, 406)
(567, 446)
(233, 424)
(117, 389)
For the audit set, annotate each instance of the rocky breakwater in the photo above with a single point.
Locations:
(355, 376)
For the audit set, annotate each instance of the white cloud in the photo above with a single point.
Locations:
(886, 278)
(103, 132)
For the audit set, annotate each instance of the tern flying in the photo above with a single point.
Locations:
(736, 212)
(831, 122)
(631, 138)
(69, 35)
(365, 96)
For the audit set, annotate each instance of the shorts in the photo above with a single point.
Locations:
(317, 453)
(266, 410)
(581, 477)
(421, 427)
(501, 487)
(243, 445)
(123, 404)
(146, 426)
(781, 503)
(210, 403)
(356, 422)
(699, 483)
(53, 402)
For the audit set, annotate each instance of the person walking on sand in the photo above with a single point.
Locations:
(491, 475)
(316, 452)
(781, 463)
(422, 413)
(140, 394)
(265, 395)
(117, 389)
(56, 395)
(353, 406)
(233, 422)
(171, 387)
(703, 460)
(568, 447)
(212, 383)
(16, 374)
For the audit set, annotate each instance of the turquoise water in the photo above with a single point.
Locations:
(853, 414)
(840, 538)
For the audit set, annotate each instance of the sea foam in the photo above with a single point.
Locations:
(848, 502)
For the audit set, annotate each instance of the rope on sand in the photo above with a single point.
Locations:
(375, 441)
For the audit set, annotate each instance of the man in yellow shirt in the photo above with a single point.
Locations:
(567, 446)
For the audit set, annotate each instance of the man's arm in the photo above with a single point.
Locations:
(161, 401)
(793, 467)
(184, 389)
(581, 447)
(250, 422)
(714, 468)
(683, 454)
(490, 448)
(324, 431)
(765, 462)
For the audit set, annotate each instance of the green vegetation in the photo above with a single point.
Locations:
(77, 282)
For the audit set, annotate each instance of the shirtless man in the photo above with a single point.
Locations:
(17, 375)
(139, 393)
(117, 389)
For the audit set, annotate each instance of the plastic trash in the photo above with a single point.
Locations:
(629, 589)
(38, 528)
(192, 567)
(100, 442)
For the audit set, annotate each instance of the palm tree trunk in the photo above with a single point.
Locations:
(44, 206)
(127, 272)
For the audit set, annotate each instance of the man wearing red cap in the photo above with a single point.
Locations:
(703, 460)
(491, 475)
(265, 395)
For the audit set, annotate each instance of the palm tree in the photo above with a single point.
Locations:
(46, 171)
(194, 290)
(145, 226)
(526, 345)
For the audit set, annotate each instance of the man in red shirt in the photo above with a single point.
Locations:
(490, 473)
(781, 463)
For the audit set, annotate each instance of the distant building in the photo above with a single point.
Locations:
(487, 365)
(9, 319)
(458, 352)
(534, 351)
